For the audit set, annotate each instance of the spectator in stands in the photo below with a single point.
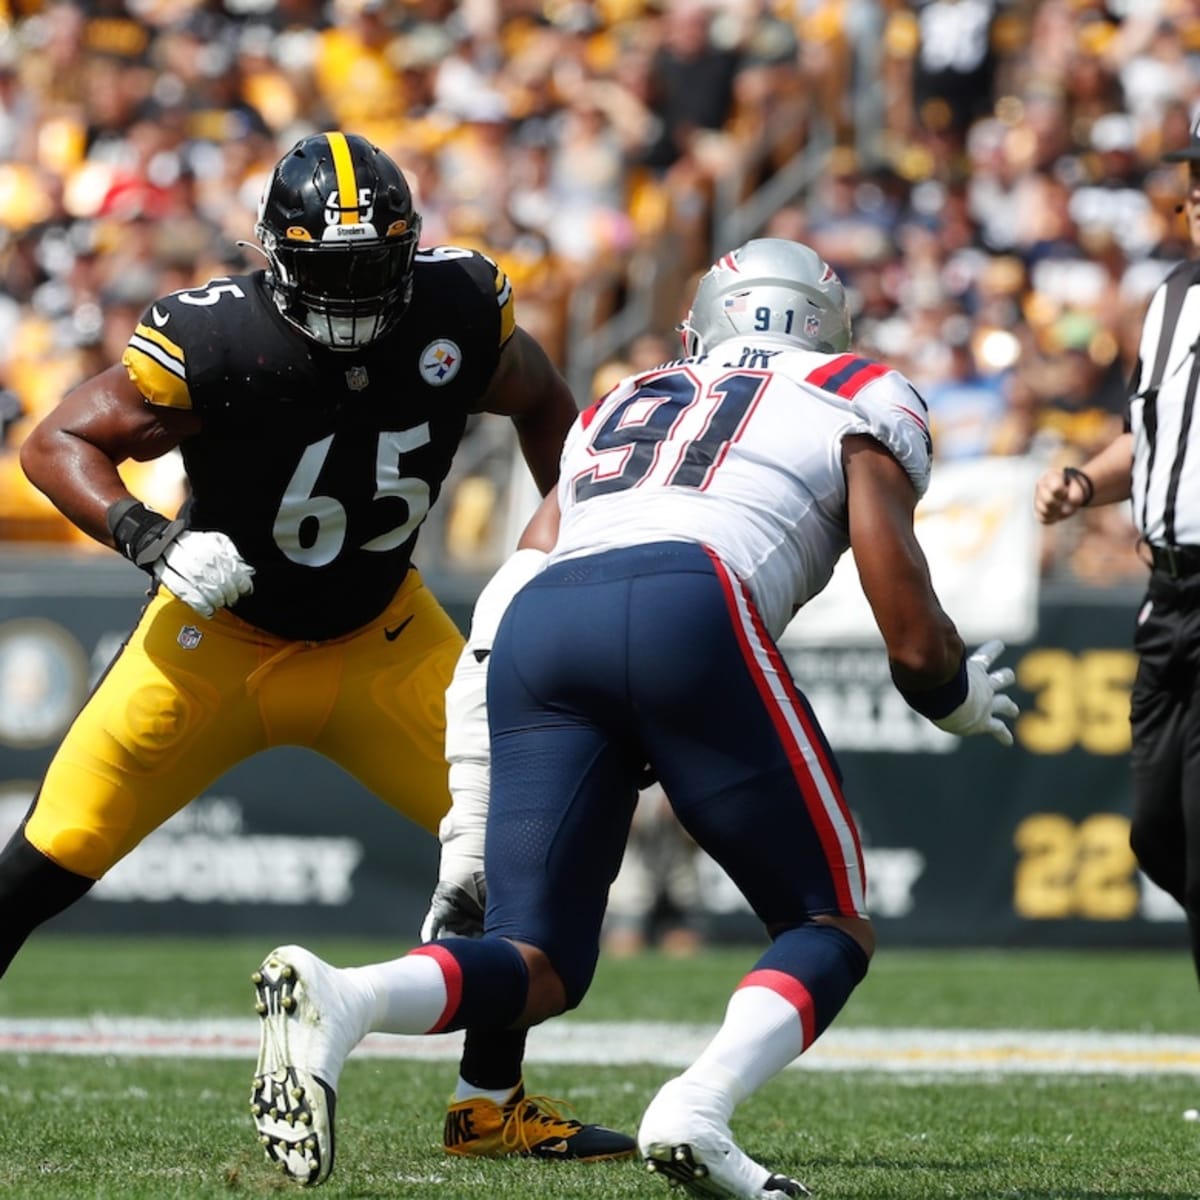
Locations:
(966, 406)
(1034, 128)
(691, 92)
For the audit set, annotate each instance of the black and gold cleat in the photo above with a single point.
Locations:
(529, 1126)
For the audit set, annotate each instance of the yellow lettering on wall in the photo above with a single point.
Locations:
(1079, 700)
(1085, 871)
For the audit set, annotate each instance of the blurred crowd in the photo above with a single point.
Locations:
(984, 174)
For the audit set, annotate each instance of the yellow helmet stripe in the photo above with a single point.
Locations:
(343, 166)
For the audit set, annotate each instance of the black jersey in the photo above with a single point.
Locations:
(321, 464)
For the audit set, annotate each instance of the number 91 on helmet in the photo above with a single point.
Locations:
(337, 224)
(769, 288)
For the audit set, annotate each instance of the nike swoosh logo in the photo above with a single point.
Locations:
(160, 317)
(393, 634)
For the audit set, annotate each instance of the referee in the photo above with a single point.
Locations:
(1156, 464)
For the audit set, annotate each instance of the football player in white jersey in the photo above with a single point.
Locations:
(702, 503)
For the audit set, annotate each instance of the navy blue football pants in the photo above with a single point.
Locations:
(652, 655)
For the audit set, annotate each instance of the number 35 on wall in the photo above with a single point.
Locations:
(1079, 700)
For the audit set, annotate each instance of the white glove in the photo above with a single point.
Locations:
(983, 709)
(204, 570)
(460, 896)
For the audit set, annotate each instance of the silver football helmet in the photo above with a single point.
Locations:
(769, 287)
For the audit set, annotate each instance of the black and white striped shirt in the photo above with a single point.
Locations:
(1166, 424)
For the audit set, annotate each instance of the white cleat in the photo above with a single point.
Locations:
(693, 1148)
(306, 1033)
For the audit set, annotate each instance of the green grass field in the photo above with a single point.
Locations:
(141, 1126)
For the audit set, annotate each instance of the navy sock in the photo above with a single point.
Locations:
(487, 981)
(826, 962)
(492, 1059)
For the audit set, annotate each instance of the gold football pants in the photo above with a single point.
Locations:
(188, 698)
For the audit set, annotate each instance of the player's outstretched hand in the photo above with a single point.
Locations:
(985, 709)
(205, 570)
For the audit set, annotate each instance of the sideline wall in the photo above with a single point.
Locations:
(966, 843)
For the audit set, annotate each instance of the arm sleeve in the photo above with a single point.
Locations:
(462, 829)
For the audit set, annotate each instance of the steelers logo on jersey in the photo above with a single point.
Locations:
(440, 362)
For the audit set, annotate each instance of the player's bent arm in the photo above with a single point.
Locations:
(73, 454)
(923, 646)
(528, 388)
(929, 665)
(460, 896)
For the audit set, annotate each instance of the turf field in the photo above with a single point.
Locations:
(125, 1066)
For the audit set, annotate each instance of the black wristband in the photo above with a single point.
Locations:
(140, 535)
(942, 700)
(1084, 480)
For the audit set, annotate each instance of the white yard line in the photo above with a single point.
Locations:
(914, 1051)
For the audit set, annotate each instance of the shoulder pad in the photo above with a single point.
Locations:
(184, 335)
(890, 408)
(897, 416)
(488, 276)
(155, 360)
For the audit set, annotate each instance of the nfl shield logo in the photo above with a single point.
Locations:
(189, 637)
(356, 378)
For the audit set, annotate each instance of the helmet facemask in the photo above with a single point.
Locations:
(343, 295)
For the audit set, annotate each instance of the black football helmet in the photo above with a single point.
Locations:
(337, 225)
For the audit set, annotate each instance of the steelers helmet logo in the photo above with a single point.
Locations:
(440, 362)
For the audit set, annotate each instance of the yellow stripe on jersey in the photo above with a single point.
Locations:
(172, 351)
(156, 366)
(343, 166)
(508, 313)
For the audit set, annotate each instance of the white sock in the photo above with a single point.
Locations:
(409, 993)
(760, 1035)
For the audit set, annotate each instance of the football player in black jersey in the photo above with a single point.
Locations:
(317, 405)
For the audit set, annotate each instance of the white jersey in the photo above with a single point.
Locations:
(740, 450)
